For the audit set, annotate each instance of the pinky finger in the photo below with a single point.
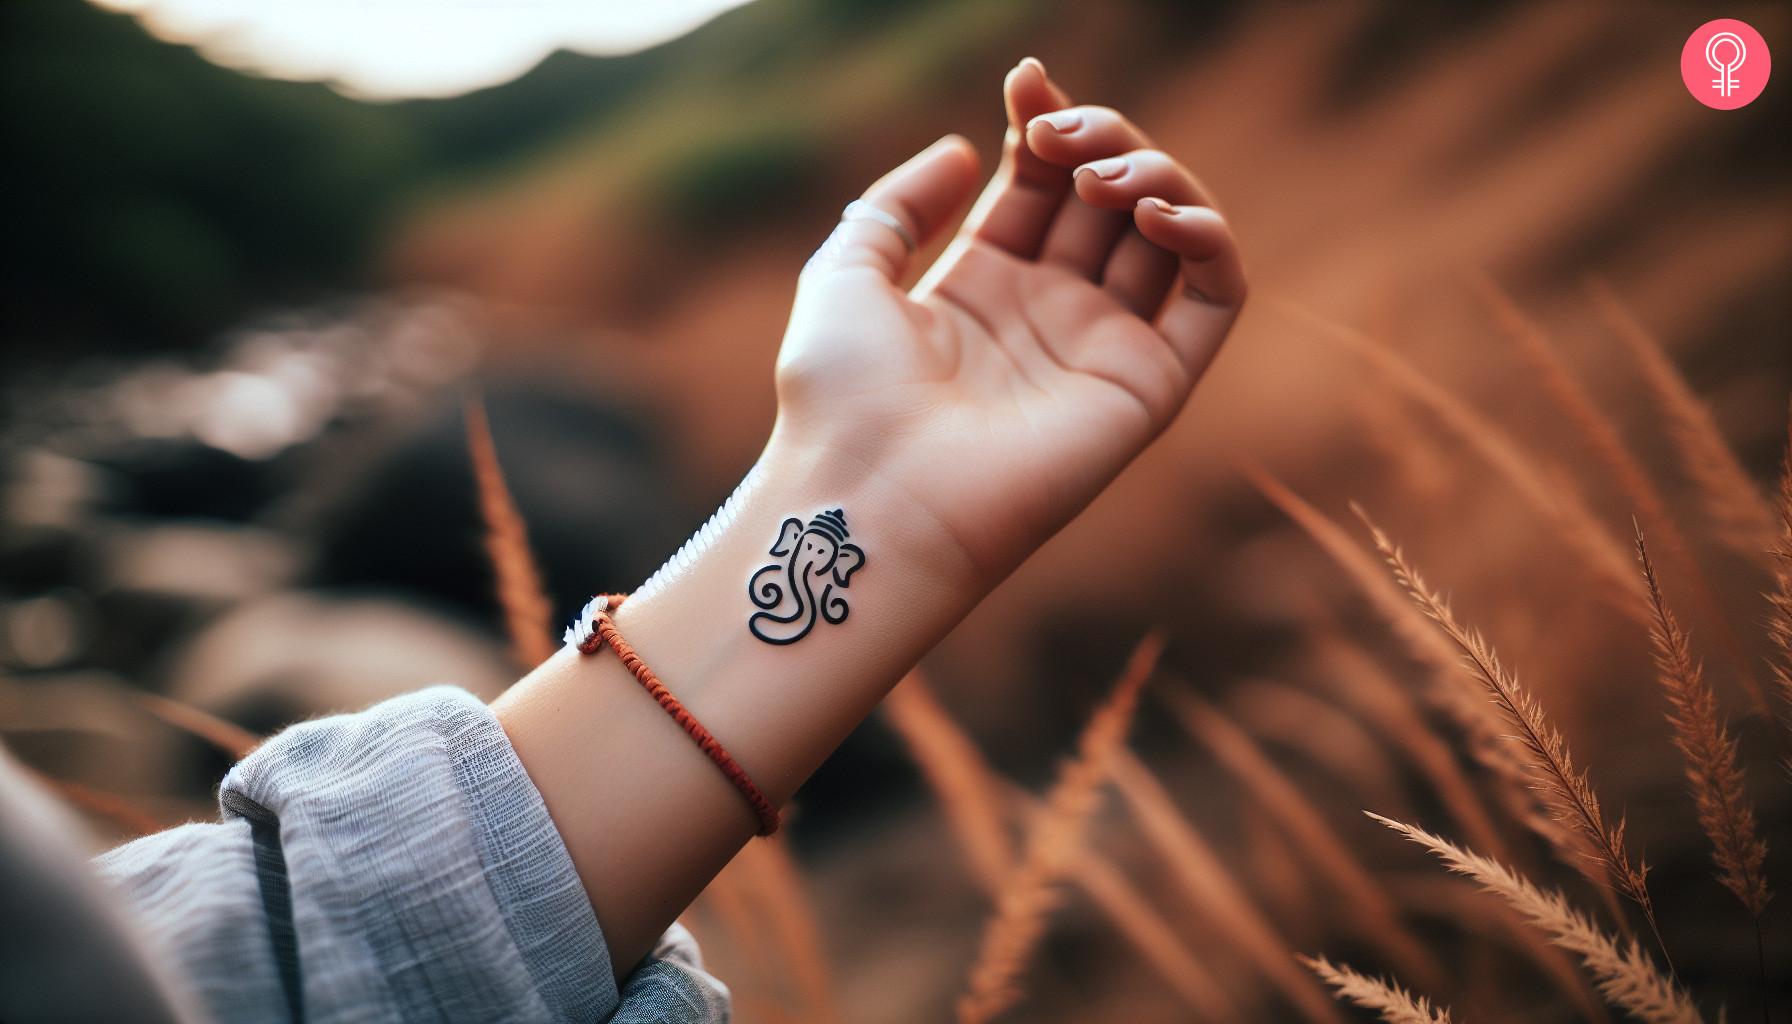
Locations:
(1212, 290)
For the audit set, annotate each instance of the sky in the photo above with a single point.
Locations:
(396, 49)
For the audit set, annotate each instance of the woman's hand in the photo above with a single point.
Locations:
(948, 431)
(1059, 333)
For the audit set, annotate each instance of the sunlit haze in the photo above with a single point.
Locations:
(392, 49)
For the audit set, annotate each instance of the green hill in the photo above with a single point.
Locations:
(152, 197)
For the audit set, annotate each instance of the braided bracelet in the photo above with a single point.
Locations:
(594, 629)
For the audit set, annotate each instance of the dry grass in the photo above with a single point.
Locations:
(227, 736)
(1499, 927)
(1710, 752)
(1131, 913)
(763, 913)
(969, 791)
(1560, 506)
(1031, 893)
(757, 912)
(1729, 497)
(1364, 908)
(528, 614)
(971, 794)
(127, 816)
(1623, 973)
(775, 889)
(1602, 435)
(1779, 617)
(1568, 792)
(1391, 1002)
(1379, 702)
(1225, 907)
(1450, 691)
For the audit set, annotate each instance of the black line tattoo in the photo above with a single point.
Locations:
(813, 551)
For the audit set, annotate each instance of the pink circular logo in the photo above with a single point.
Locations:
(1725, 64)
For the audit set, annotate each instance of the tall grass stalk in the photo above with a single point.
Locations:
(1131, 913)
(126, 815)
(1031, 893)
(1603, 437)
(227, 736)
(762, 905)
(1567, 790)
(1566, 512)
(1450, 689)
(1494, 920)
(1366, 909)
(1624, 974)
(1214, 892)
(1779, 615)
(969, 791)
(1710, 753)
(1389, 1001)
(1382, 704)
(1726, 491)
(776, 890)
(528, 614)
(971, 794)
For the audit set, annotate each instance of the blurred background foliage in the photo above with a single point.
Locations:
(236, 316)
(155, 196)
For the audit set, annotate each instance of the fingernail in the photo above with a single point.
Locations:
(1034, 63)
(1060, 121)
(1162, 206)
(1109, 169)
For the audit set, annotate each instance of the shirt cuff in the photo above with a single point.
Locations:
(425, 873)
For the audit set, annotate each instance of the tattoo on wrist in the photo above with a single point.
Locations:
(816, 556)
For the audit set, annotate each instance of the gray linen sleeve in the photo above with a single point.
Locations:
(194, 893)
(391, 865)
(672, 987)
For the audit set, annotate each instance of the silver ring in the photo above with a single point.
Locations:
(859, 209)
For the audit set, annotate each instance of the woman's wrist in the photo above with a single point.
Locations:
(781, 654)
(647, 817)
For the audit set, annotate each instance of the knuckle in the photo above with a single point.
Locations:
(1153, 160)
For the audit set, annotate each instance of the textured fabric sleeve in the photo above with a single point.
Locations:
(427, 881)
(198, 906)
(392, 865)
(672, 987)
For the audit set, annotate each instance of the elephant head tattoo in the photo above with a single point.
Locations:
(816, 555)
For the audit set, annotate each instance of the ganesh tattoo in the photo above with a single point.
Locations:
(815, 557)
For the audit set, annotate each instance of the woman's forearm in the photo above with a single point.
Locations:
(647, 817)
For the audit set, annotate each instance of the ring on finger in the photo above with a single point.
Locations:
(859, 209)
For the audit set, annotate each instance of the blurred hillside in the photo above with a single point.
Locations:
(153, 196)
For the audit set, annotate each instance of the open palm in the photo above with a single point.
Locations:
(1039, 354)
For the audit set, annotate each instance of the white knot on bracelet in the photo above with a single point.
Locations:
(586, 624)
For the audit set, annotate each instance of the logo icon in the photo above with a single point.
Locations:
(1725, 64)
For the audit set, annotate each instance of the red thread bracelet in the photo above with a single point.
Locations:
(603, 631)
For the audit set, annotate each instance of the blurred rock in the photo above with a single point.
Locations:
(294, 655)
(592, 479)
(198, 560)
(45, 631)
(44, 489)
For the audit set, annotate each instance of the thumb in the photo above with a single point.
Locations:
(920, 196)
